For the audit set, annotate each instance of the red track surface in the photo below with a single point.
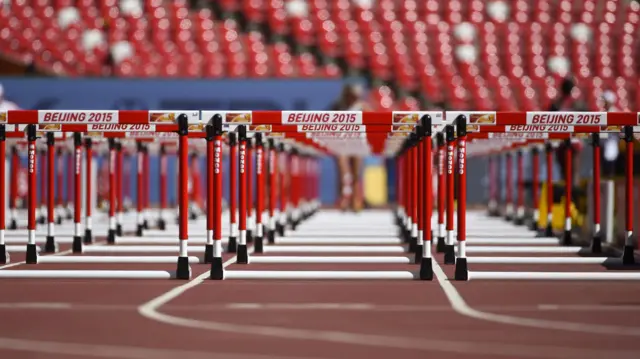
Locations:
(283, 319)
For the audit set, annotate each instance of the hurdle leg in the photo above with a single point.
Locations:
(50, 244)
(596, 239)
(549, 157)
(250, 207)
(217, 267)
(232, 245)
(13, 188)
(449, 253)
(420, 194)
(4, 254)
(628, 257)
(282, 219)
(60, 165)
(42, 210)
(88, 150)
(32, 250)
(441, 244)
(113, 163)
(461, 269)
(119, 188)
(273, 175)
(567, 239)
(426, 262)
(208, 249)
(162, 224)
(243, 254)
(519, 217)
(140, 191)
(535, 164)
(509, 187)
(70, 168)
(145, 188)
(77, 198)
(260, 164)
(413, 159)
(183, 270)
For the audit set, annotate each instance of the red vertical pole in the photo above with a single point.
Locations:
(596, 241)
(420, 193)
(413, 153)
(183, 269)
(426, 269)
(519, 220)
(295, 187)
(260, 164)
(140, 189)
(146, 186)
(628, 257)
(113, 164)
(43, 188)
(211, 214)
(535, 154)
(442, 190)
(509, 185)
(449, 254)
(88, 145)
(217, 271)
(162, 224)
(250, 187)
(461, 271)
(549, 157)
(492, 185)
(243, 255)
(13, 188)
(566, 239)
(77, 195)
(119, 188)
(399, 197)
(50, 244)
(32, 249)
(273, 189)
(70, 176)
(284, 168)
(4, 254)
(60, 199)
(233, 192)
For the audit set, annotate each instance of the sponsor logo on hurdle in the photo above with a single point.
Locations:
(567, 118)
(241, 155)
(321, 117)
(450, 150)
(217, 157)
(3, 116)
(171, 116)
(52, 127)
(462, 148)
(73, 116)
(32, 157)
(78, 159)
(474, 118)
(260, 128)
(519, 135)
(336, 135)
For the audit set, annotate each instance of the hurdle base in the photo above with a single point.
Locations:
(13, 224)
(145, 224)
(111, 236)
(548, 231)
(119, 230)
(258, 245)
(162, 225)
(88, 236)
(440, 245)
(193, 216)
(183, 270)
(566, 238)
(249, 236)
(426, 268)
(59, 220)
(534, 226)
(271, 235)
(418, 254)
(140, 230)
(243, 254)
(232, 246)
(596, 244)
(4, 255)
(50, 245)
(519, 221)
(217, 269)
(77, 244)
(508, 218)
(42, 220)
(628, 257)
(413, 244)
(32, 254)
(208, 253)
(449, 254)
(462, 270)
(280, 229)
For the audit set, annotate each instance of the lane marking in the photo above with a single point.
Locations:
(460, 305)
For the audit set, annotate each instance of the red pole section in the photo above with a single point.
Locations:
(628, 257)
(70, 186)
(426, 269)
(183, 269)
(461, 272)
(50, 245)
(140, 189)
(119, 188)
(4, 254)
(162, 224)
(442, 187)
(208, 253)
(243, 255)
(60, 199)
(549, 154)
(535, 156)
(233, 199)
(88, 145)
(568, 191)
(13, 187)
(449, 256)
(273, 176)
(32, 251)
(77, 198)
(217, 271)
(399, 196)
(260, 163)
(146, 186)
(113, 164)
(420, 193)
(520, 173)
(295, 187)
(509, 194)
(250, 208)
(284, 162)
(43, 187)
(492, 185)
(414, 192)
(596, 242)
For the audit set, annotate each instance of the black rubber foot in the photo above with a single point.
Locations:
(566, 238)
(42, 220)
(13, 224)
(59, 220)
(140, 230)
(183, 271)
(217, 272)
(271, 235)
(413, 243)
(50, 245)
(249, 236)
(4, 255)
(162, 225)
(462, 271)
(119, 230)
(548, 231)
(69, 215)
(258, 246)
(88, 236)
(32, 254)
(294, 225)
(77, 244)
(627, 256)
(280, 229)
(145, 224)
(193, 216)
(426, 269)
(596, 244)
(449, 254)
(111, 236)
(440, 245)
(534, 226)
(243, 254)
(518, 221)
(418, 254)
(208, 253)
(232, 246)
(508, 218)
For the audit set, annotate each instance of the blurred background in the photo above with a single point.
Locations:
(503, 55)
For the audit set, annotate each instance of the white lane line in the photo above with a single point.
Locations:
(459, 305)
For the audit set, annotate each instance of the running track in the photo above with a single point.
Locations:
(323, 319)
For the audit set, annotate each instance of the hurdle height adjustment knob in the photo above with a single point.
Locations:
(461, 125)
(183, 124)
